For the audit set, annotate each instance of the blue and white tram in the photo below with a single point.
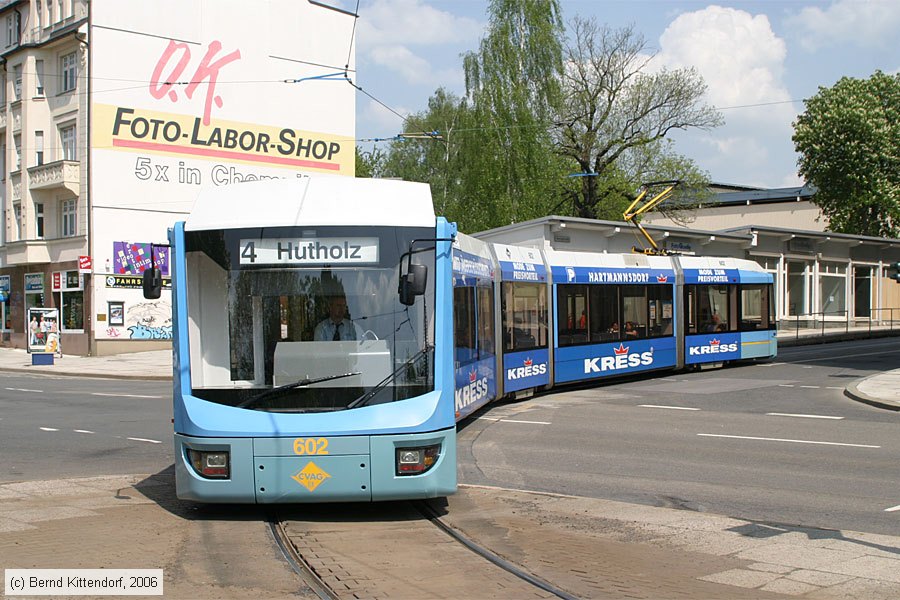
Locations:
(265, 409)
(325, 346)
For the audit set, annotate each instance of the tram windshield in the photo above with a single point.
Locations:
(307, 319)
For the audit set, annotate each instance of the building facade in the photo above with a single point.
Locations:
(821, 278)
(116, 112)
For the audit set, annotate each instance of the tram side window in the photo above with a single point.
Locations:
(634, 312)
(464, 324)
(572, 314)
(485, 312)
(660, 305)
(524, 308)
(604, 313)
(755, 311)
(715, 307)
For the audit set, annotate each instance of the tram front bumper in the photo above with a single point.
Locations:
(315, 469)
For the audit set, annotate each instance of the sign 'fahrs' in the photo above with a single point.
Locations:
(300, 252)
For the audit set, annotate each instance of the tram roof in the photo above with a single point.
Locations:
(313, 200)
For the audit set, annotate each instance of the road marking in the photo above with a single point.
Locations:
(785, 385)
(765, 439)
(834, 388)
(122, 395)
(144, 440)
(804, 416)
(771, 364)
(495, 419)
(48, 429)
(670, 407)
(810, 387)
(892, 509)
(82, 431)
(24, 390)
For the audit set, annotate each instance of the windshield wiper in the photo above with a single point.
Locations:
(289, 386)
(365, 398)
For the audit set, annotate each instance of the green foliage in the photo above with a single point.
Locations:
(369, 163)
(510, 169)
(849, 144)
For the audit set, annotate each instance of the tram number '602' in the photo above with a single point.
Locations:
(310, 446)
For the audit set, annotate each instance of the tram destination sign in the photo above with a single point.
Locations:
(305, 251)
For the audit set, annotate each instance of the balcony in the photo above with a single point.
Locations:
(62, 174)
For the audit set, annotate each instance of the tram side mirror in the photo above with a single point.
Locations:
(152, 283)
(413, 284)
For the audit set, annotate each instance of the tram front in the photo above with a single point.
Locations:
(310, 365)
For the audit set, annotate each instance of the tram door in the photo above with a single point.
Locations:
(474, 360)
(525, 335)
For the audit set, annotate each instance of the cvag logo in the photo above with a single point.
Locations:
(714, 347)
(527, 369)
(621, 359)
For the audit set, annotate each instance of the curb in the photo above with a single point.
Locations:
(31, 371)
(852, 392)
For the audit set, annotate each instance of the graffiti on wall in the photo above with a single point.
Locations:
(149, 321)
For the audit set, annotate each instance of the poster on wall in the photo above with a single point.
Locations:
(134, 258)
(43, 329)
(116, 313)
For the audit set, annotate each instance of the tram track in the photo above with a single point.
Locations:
(399, 550)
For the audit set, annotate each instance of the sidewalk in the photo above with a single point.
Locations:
(155, 365)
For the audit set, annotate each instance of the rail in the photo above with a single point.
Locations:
(822, 323)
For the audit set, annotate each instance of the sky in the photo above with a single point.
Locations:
(759, 59)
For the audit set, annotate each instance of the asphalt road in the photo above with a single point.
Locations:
(775, 442)
(62, 427)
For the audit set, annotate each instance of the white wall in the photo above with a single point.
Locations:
(163, 125)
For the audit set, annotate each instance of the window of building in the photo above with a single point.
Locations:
(39, 12)
(17, 82)
(3, 91)
(61, 9)
(72, 316)
(67, 217)
(13, 21)
(3, 162)
(68, 70)
(68, 138)
(39, 147)
(39, 220)
(17, 221)
(39, 77)
(17, 143)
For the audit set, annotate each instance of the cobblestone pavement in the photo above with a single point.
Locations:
(135, 522)
(593, 548)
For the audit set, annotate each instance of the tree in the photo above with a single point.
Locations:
(849, 144)
(509, 169)
(369, 163)
(614, 106)
(429, 150)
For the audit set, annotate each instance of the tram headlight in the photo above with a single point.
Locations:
(413, 461)
(213, 465)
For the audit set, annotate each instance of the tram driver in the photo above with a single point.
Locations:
(337, 327)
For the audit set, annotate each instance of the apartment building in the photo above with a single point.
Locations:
(42, 141)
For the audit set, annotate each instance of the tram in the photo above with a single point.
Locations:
(325, 345)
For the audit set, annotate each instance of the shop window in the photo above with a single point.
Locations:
(72, 311)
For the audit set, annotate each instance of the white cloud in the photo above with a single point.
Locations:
(867, 23)
(742, 62)
(415, 41)
(412, 67)
(738, 54)
(412, 22)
